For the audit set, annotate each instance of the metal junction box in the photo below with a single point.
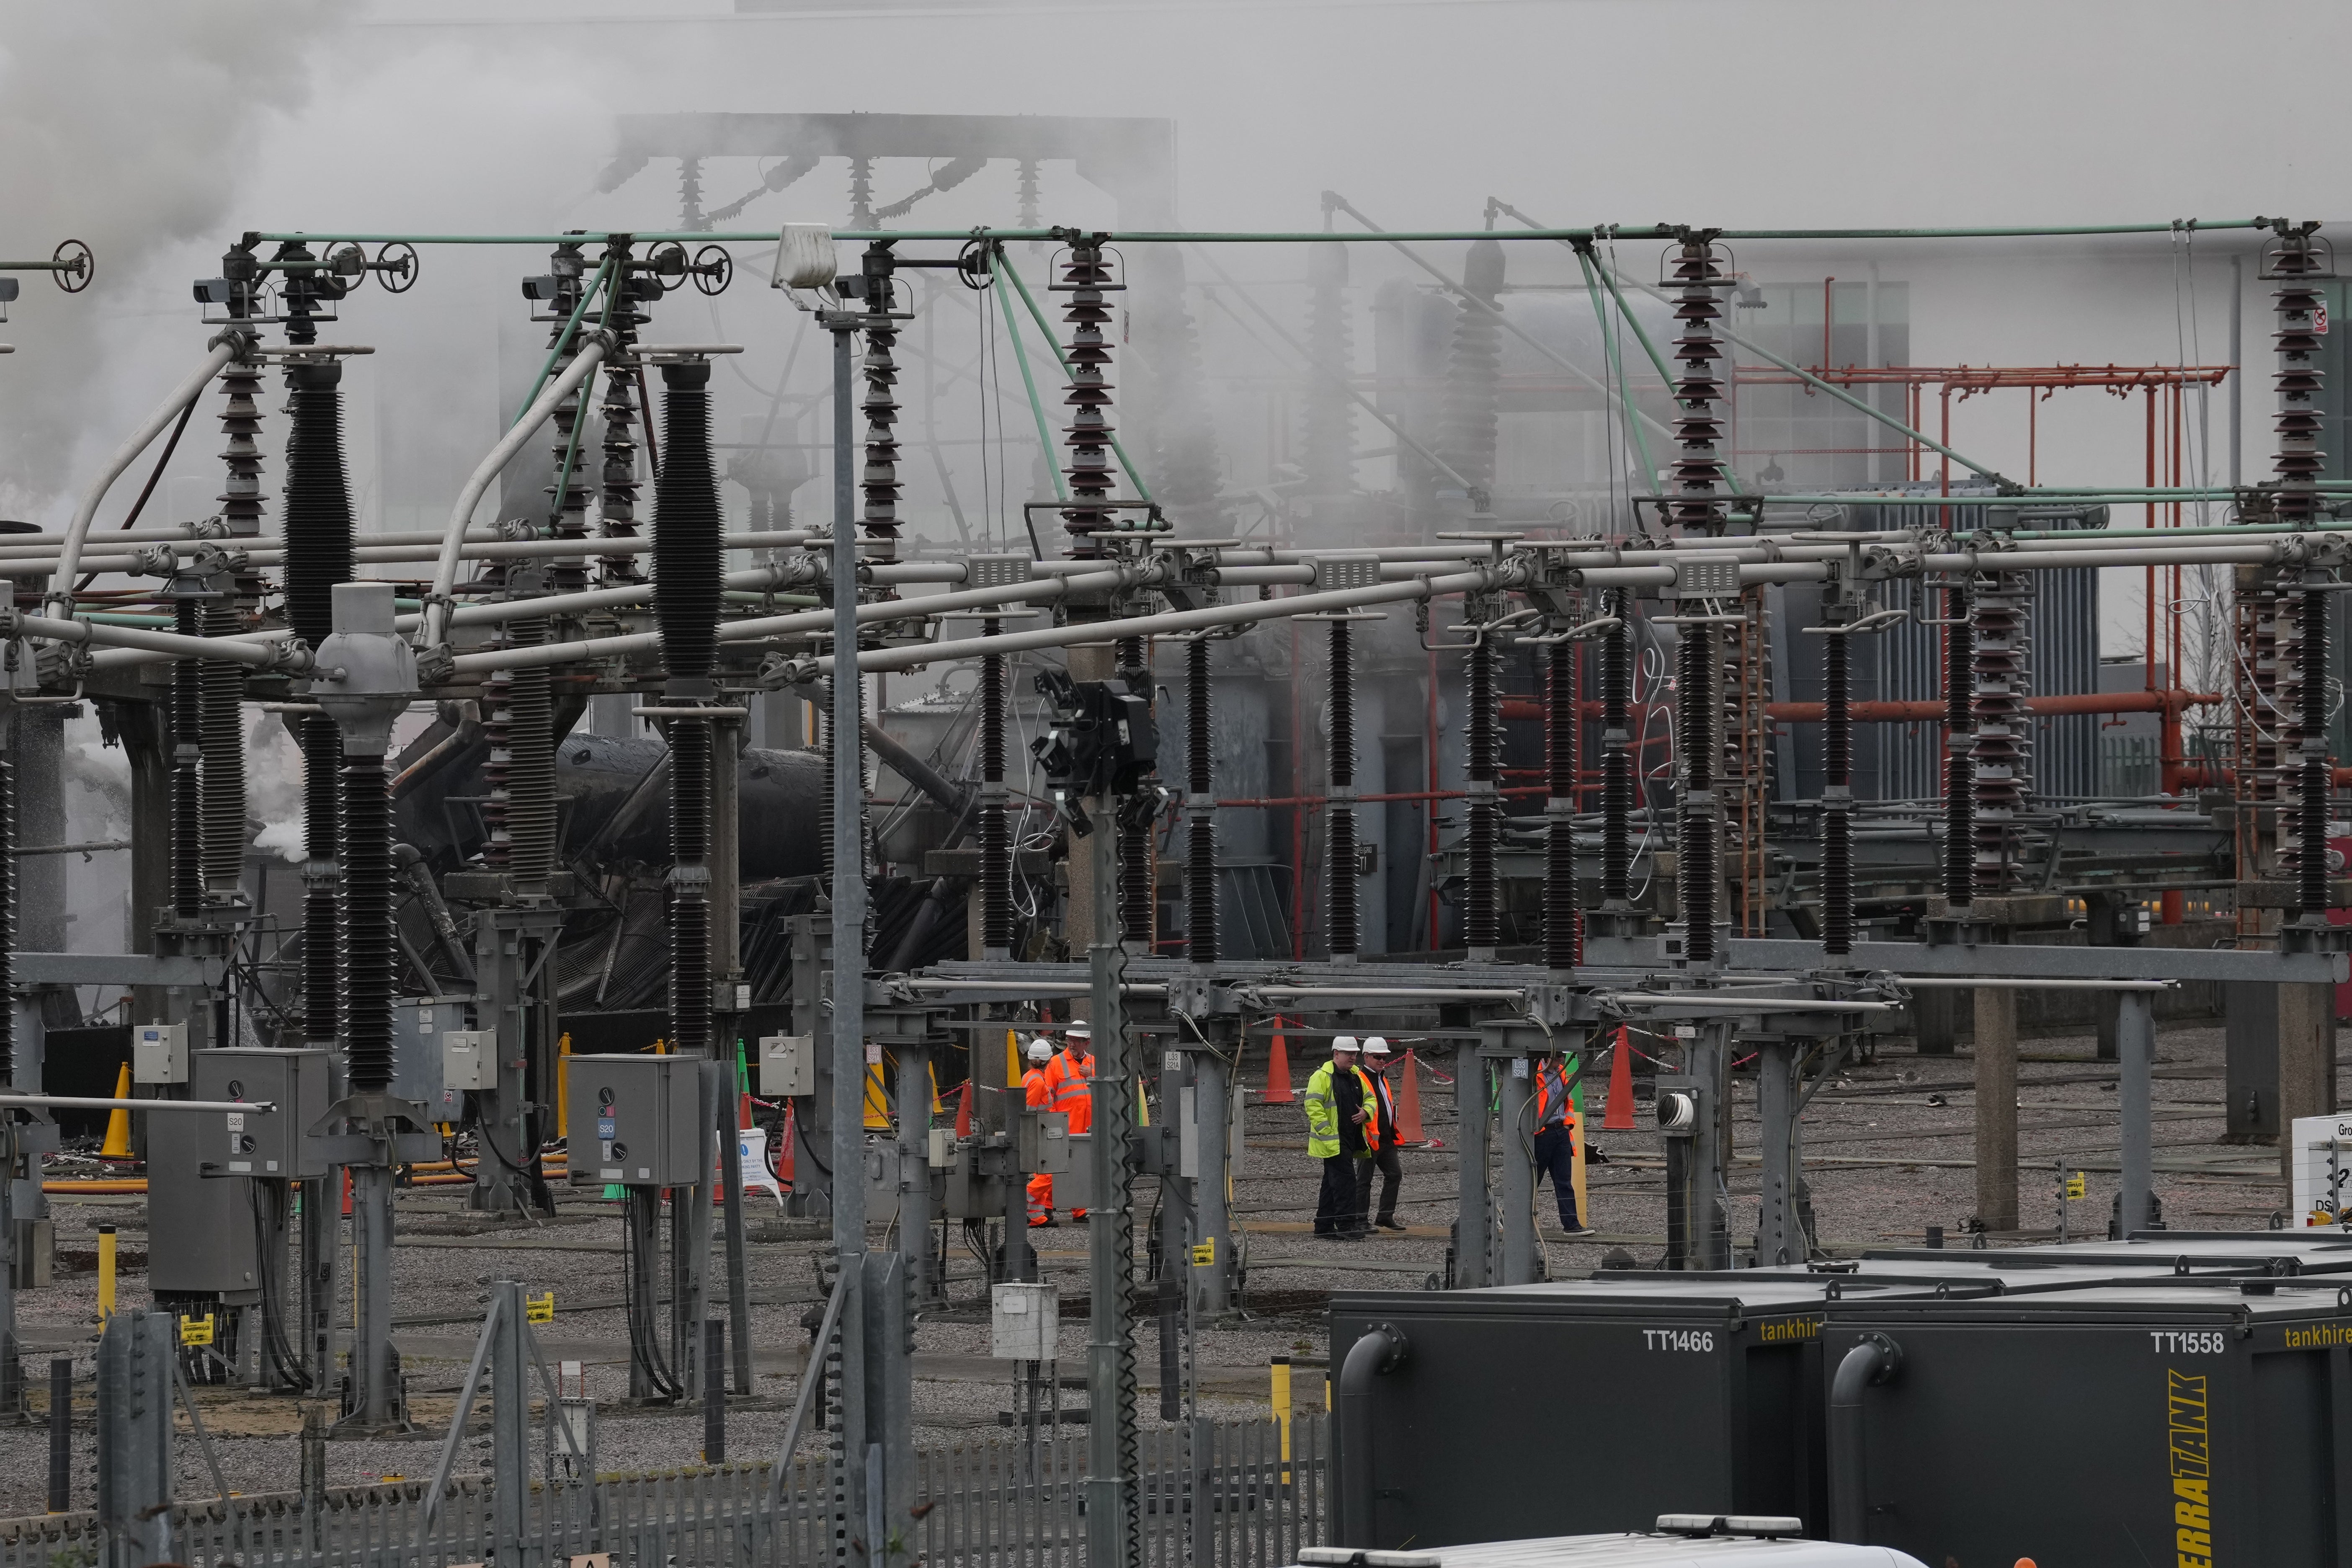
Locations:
(158, 1053)
(420, 1029)
(636, 1119)
(265, 1143)
(787, 1066)
(1024, 1322)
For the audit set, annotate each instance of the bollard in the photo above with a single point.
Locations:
(105, 1273)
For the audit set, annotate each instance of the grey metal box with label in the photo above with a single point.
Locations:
(636, 1119)
(265, 1143)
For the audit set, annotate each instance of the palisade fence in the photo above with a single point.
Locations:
(1219, 1494)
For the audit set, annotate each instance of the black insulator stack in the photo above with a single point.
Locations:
(1087, 279)
(521, 728)
(1562, 937)
(367, 932)
(221, 734)
(1025, 193)
(317, 556)
(1469, 416)
(688, 586)
(1959, 738)
(995, 828)
(1342, 921)
(1616, 755)
(240, 497)
(1135, 844)
(1482, 925)
(1327, 418)
(2318, 773)
(2004, 728)
(187, 759)
(689, 887)
(878, 483)
(688, 568)
(2300, 270)
(7, 918)
(617, 485)
(568, 490)
(1697, 718)
(1200, 785)
(1698, 466)
(1837, 795)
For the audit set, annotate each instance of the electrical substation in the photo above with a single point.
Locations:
(600, 1132)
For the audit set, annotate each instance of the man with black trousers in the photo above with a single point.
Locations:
(1381, 1155)
(1335, 1136)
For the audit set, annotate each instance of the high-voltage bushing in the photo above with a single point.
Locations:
(1200, 806)
(1482, 924)
(877, 481)
(1469, 416)
(1339, 845)
(520, 811)
(617, 485)
(2301, 263)
(187, 593)
(318, 557)
(2314, 772)
(1327, 415)
(1563, 718)
(1698, 280)
(2000, 613)
(688, 574)
(995, 831)
(1960, 740)
(1087, 279)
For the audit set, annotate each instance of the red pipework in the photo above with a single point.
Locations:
(2169, 702)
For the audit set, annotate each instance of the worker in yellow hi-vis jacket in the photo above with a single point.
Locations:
(1334, 1093)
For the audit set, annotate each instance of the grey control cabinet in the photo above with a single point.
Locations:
(269, 1145)
(636, 1119)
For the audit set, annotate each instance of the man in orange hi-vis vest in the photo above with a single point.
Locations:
(1037, 1085)
(1556, 1125)
(1070, 1082)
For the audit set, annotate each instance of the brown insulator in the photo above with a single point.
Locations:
(1340, 855)
(1201, 808)
(1698, 721)
(1087, 280)
(2002, 607)
(1960, 771)
(2300, 382)
(1563, 930)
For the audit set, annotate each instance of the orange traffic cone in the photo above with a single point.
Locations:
(1277, 1073)
(1619, 1117)
(963, 1111)
(118, 1122)
(1408, 1111)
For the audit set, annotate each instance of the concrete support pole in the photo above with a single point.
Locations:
(2136, 1050)
(2306, 1060)
(1113, 1532)
(1996, 1129)
(1709, 1058)
(914, 1116)
(510, 1427)
(376, 1364)
(1471, 1271)
(134, 1437)
(1516, 1133)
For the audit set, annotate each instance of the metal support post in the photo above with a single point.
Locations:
(847, 1026)
(2306, 1060)
(1996, 1120)
(1516, 1133)
(376, 1364)
(510, 1426)
(1710, 1063)
(889, 1394)
(914, 1115)
(714, 1399)
(2136, 1050)
(321, 1266)
(690, 1226)
(1781, 1238)
(1471, 1225)
(60, 1433)
(512, 975)
(1113, 1537)
(726, 964)
(134, 1437)
(1212, 1214)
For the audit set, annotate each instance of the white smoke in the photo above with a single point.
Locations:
(127, 124)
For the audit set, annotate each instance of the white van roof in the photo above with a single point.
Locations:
(1680, 1541)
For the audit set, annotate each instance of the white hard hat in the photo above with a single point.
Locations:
(1040, 1050)
(1374, 1045)
(1078, 1030)
(1344, 1043)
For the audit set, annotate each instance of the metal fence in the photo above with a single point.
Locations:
(1219, 1494)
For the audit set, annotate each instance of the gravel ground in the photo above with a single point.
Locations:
(1902, 1120)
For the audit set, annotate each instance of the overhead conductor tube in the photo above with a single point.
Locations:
(317, 556)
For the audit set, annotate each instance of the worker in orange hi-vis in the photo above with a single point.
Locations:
(1038, 1084)
(1072, 1077)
